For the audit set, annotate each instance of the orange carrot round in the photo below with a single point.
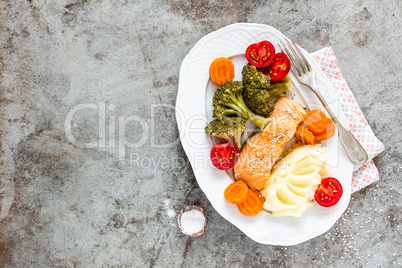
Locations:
(315, 121)
(328, 133)
(299, 132)
(221, 70)
(308, 137)
(253, 203)
(304, 135)
(236, 192)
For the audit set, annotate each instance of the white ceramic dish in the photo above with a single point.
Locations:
(194, 110)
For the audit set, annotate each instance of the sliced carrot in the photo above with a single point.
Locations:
(308, 137)
(299, 132)
(253, 203)
(236, 192)
(328, 133)
(315, 121)
(304, 135)
(221, 70)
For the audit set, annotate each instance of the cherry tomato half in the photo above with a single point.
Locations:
(260, 54)
(329, 192)
(224, 155)
(279, 68)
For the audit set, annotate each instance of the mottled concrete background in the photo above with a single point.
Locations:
(63, 205)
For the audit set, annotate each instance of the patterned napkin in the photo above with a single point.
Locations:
(367, 173)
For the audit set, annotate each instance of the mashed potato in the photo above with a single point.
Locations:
(293, 181)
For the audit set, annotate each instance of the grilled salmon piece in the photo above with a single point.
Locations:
(262, 150)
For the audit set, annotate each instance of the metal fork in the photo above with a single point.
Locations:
(305, 74)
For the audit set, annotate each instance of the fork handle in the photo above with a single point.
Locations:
(353, 148)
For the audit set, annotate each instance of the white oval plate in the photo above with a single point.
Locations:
(194, 110)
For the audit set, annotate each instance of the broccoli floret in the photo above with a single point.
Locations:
(258, 100)
(228, 100)
(261, 96)
(254, 78)
(227, 128)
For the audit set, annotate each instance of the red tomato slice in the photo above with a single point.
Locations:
(260, 54)
(329, 192)
(224, 155)
(279, 68)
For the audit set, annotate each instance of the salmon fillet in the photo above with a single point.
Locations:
(259, 154)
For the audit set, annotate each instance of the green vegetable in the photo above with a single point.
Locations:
(259, 95)
(226, 128)
(254, 78)
(228, 100)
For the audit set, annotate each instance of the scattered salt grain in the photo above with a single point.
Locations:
(169, 211)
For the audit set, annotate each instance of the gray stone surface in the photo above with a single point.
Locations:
(62, 205)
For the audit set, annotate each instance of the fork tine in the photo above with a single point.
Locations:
(296, 56)
(294, 64)
(305, 60)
